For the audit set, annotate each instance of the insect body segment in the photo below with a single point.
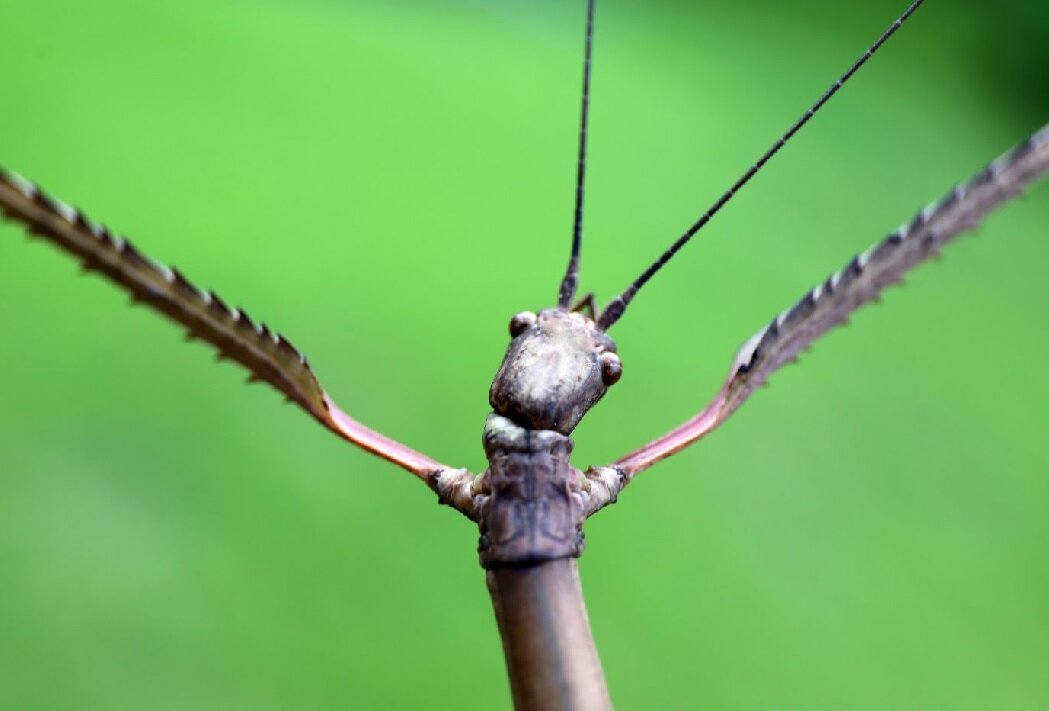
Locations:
(558, 365)
(533, 505)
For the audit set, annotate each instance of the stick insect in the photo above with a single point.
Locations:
(141, 239)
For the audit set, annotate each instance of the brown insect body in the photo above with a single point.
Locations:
(532, 502)
(531, 506)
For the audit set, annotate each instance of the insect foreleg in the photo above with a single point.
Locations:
(833, 301)
(266, 354)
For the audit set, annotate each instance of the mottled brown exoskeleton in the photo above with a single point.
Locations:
(530, 503)
(558, 365)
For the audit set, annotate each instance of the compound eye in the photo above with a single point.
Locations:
(521, 323)
(611, 368)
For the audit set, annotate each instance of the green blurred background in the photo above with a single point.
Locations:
(387, 183)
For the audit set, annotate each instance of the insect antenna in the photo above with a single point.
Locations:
(617, 306)
(568, 285)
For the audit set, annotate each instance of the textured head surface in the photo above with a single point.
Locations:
(557, 366)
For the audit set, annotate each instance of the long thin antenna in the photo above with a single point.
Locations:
(618, 305)
(571, 280)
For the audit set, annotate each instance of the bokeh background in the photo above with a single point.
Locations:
(387, 183)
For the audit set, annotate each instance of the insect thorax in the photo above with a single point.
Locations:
(531, 508)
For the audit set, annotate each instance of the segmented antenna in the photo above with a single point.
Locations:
(571, 280)
(618, 305)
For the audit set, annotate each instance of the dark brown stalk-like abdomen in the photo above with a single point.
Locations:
(550, 654)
